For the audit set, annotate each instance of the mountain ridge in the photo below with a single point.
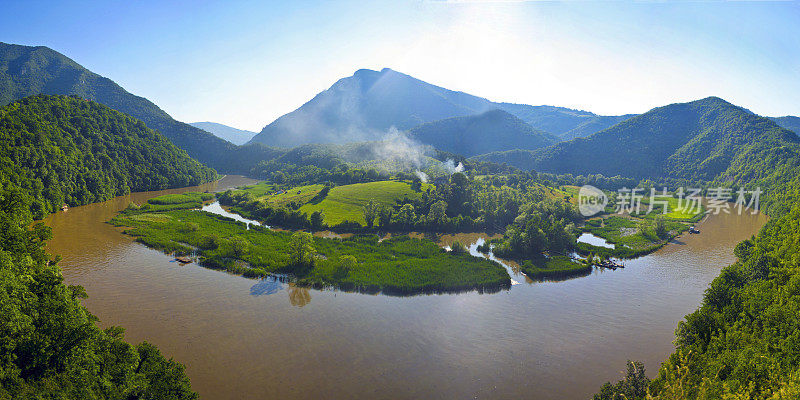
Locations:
(694, 140)
(366, 105)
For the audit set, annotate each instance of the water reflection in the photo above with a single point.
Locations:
(594, 240)
(216, 208)
(299, 296)
(266, 286)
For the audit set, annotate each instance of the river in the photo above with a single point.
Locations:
(243, 338)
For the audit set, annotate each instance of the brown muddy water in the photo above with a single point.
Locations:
(248, 339)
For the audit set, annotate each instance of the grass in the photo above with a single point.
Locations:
(674, 212)
(400, 265)
(625, 233)
(346, 203)
(554, 268)
(342, 203)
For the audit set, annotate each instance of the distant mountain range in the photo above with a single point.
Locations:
(367, 105)
(693, 141)
(233, 135)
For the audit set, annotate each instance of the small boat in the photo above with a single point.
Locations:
(64, 207)
(183, 260)
(693, 231)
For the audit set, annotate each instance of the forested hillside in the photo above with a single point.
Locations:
(61, 149)
(563, 122)
(493, 130)
(742, 343)
(26, 71)
(790, 123)
(694, 141)
(50, 345)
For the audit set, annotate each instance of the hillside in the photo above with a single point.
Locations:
(231, 134)
(565, 123)
(27, 71)
(61, 149)
(494, 130)
(696, 140)
(789, 122)
(363, 107)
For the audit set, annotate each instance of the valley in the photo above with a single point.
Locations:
(382, 234)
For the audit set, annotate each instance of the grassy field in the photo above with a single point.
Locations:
(674, 212)
(554, 268)
(342, 203)
(395, 266)
(345, 203)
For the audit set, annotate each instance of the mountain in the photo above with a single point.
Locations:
(696, 140)
(26, 71)
(790, 123)
(493, 130)
(60, 149)
(565, 123)
(233, 135)
(365, 106)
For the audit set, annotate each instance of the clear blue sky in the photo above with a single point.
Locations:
(246, 63)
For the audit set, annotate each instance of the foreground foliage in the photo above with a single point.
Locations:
(50, 345)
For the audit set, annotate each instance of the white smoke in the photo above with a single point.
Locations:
(422, 176)
(402, 150)
(451, 168)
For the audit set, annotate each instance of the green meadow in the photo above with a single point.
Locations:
(395, 266)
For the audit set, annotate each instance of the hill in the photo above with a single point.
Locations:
(363, 107)
(493, 130)
(61, 149)
(231, 134)
(565, 123)
(789, 122)
(27, 71)
(696, 140)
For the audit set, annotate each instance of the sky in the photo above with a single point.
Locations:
(244, 63)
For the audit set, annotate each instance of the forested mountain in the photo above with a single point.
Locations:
(26, 71)
(789, 122)
(493, 130)
(365, 106)
(696, 141)
(231, 134)
(563, 122)
(61, 149)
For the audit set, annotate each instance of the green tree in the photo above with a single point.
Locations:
(316, 219)
(371, 210)
(301, 250)
(239, 246)
(384, 217)
(438, 213)
(406, 215)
